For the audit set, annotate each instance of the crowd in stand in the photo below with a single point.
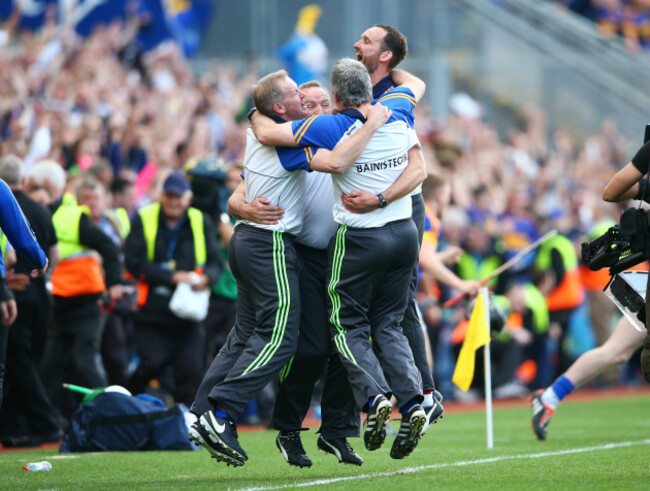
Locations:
(119, 122)
(629, 19)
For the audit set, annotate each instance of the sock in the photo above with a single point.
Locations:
(558, 391)
(370, 401)
(428, 398)
(407, 407)
(220, 413)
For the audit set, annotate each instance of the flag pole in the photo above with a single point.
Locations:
(487, 369)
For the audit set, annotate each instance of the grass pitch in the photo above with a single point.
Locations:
(597, 444)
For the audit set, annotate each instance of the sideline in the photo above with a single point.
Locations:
(462, 463)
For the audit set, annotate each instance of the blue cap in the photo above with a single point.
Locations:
(176, 183)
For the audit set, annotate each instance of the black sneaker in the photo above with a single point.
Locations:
(541, 415)
(221, 439)
(200, 437)
(435, 412)
(291, 448)
(378, 414)
(341, 449)
(410, 431)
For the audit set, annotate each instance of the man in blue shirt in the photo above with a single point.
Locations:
(17, 230)
(381, 48)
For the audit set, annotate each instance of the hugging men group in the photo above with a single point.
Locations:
(325, 254)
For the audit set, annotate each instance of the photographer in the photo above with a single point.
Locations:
(629, 183)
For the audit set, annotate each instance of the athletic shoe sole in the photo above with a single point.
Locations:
(375, 437)
(404, 446)
(220, 447)
(199, 440)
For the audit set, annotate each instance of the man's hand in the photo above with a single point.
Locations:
(202, 283)
(116, 292)
(183, 277)
(261, 211)
(359, 201)
(378, 115)
(17, 281)
(470, 287)
(451, 255)
(523, 337)
(38, 273)
(9, 311)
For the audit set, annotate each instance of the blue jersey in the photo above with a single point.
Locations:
(18, 231)
(380, 91)
(327, 130)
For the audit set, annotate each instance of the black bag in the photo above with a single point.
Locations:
(115, 421)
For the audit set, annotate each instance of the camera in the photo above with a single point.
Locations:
(208, 179)
(622, 246)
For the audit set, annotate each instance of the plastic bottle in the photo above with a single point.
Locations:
(38, 466)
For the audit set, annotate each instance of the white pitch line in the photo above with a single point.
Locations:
(462, 463)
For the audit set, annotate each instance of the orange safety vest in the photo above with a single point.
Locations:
(569, 293)
(78, 272)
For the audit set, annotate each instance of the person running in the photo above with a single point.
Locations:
(628, 183)
(617, 350)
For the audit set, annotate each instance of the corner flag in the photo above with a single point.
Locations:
(477, 335)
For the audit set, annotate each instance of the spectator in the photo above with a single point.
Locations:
(73, 344)
(115, 316)
(169, 242)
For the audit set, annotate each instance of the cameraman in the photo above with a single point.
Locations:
(629, 183)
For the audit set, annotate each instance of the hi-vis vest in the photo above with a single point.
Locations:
(472, 268)
(3, 243)
(119, 217)
(150, 215)
(78, 272)
(569, 293)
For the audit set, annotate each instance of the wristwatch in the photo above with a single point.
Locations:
(382, 201)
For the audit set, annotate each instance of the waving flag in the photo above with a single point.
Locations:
(184, 21)
(477, 335)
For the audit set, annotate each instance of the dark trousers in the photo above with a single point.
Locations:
(4, 334)
(411, 323)
(72, 355)
(116, 347)
(340, 415)
(161, 348)
(264, 338)
(369, 272)
(218, 323)
(27, 409)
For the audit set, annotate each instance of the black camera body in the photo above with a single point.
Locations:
(208, 179)
(622, 246)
